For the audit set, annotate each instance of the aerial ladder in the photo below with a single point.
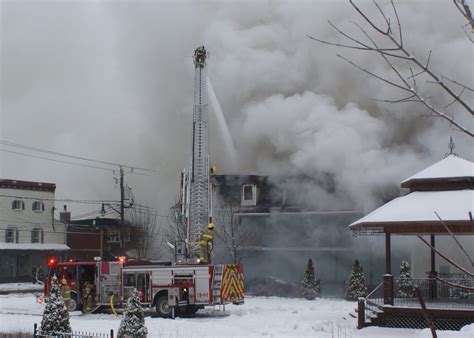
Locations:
(210, 283)
(196, 202)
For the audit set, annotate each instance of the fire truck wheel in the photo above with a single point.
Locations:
(162, 307)
(72, 306)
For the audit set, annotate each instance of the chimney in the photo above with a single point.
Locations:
(65, 216)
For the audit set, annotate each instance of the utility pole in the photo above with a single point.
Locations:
(122, 197)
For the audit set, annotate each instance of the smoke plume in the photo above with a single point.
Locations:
(113, 81)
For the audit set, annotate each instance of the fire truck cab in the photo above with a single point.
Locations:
(104, 277)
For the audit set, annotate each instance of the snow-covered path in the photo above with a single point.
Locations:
(259, 316)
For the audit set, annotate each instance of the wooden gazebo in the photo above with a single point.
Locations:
(443, 190)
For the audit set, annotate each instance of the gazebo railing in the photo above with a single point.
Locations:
(434, 293)
(374, 302)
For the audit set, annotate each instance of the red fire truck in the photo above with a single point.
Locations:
(171, 289)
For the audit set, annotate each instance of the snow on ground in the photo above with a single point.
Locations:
(259, 316)
(20, 287)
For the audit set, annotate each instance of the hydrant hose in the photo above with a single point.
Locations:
(112, 305)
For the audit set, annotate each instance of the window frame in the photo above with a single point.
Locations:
(115, 233)
(18, 205)
(249, 202)
(40, 235)
(37, 203)
(14, 234)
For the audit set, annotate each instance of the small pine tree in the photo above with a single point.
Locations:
(133, 320)
(406, 286)
(310, 285)
(356, 287)
(55, 315)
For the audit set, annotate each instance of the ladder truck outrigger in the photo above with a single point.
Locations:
(192, 281)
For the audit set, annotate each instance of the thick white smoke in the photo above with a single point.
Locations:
(109, 80)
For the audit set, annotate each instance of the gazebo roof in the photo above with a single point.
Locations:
(451, 167)
(415, 212)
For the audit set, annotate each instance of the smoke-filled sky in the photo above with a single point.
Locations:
(112, 80)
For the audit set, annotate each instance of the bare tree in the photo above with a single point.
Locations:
(233, 234)
(176, 225)
(450, 260)
(466, 12)
(145, 232)
(409, 72)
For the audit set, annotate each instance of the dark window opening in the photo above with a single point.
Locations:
(248, 192)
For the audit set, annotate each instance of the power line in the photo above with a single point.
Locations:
(54, 160)
(68, 200)
(96, 232)
(17, 145)
(67, 162)
(15, 215)
(88, 214)
(52, 232)
(148, 212)
(24, 222)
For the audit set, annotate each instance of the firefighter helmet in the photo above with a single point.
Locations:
(210, 226)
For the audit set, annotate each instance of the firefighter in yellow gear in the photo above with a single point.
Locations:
(87, 296)
(206, 244)
(65, 292)
(200, 56)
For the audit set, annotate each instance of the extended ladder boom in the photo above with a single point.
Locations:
(195, 192)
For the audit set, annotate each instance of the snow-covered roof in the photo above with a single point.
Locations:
(419, 206)
(451, 166)
(34, 246)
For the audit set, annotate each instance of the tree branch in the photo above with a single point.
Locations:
(450, 261)
(465, 11)
(455, 239)
(464, 287)
(398, 51)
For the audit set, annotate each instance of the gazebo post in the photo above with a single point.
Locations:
(388, 278)
(432, 281)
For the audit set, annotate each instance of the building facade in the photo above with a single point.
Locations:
(29, 236)
(275, 233)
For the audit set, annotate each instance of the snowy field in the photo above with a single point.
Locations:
(259, 316)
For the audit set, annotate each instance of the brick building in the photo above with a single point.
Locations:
(98, 237)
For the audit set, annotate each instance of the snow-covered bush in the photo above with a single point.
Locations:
(356, 287)
(406, 286)
(133, 320)
(457, 292)
(55, 316)
(310, 285)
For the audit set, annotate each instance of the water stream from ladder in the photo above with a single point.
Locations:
(224, 128)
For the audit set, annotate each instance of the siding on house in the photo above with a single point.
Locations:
(29, 232)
